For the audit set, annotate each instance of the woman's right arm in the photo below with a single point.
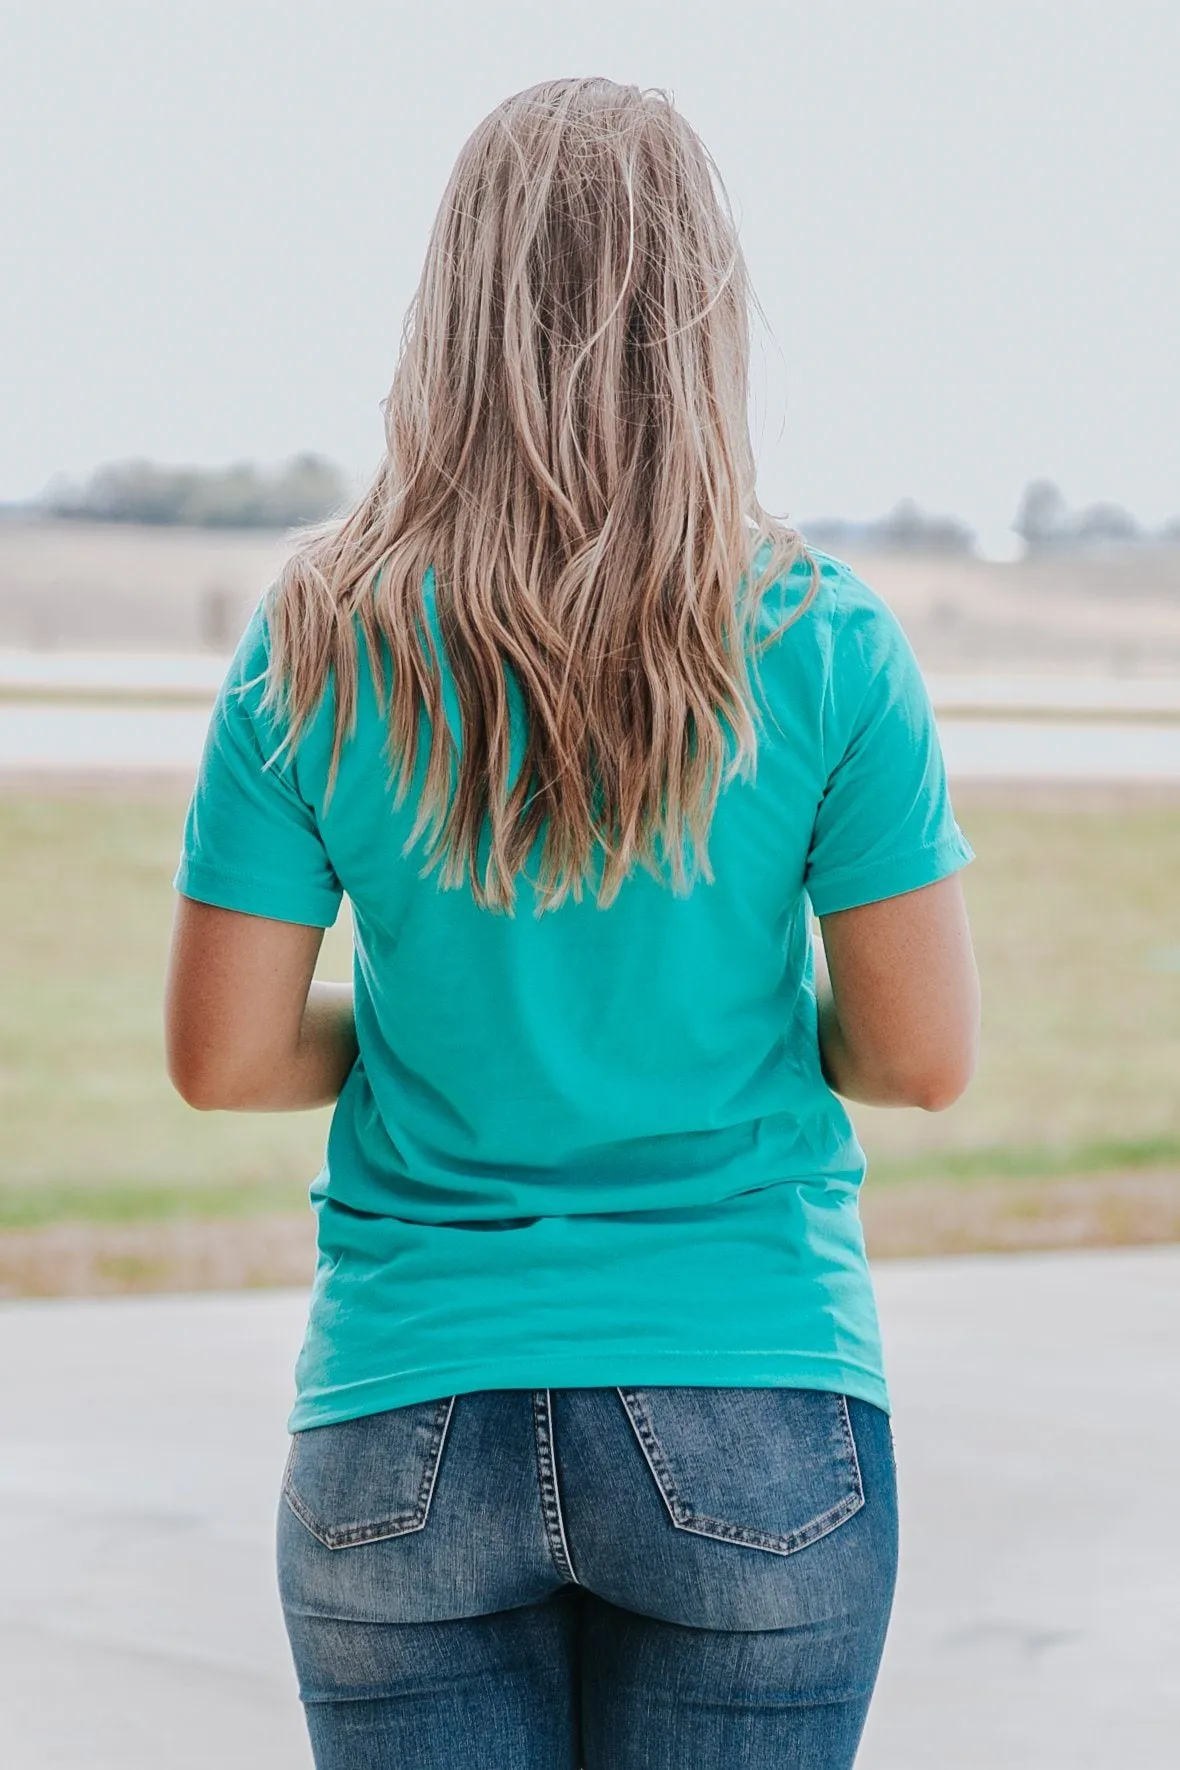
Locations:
(899, 999)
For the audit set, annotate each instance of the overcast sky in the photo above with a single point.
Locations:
(960, 216)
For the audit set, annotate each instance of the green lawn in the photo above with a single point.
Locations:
(91, 1126)
(1076, 913)
(1077, 919)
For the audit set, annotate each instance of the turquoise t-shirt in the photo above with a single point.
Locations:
(595, 1146)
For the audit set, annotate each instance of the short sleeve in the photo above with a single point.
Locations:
(251, 841)
(884, 825)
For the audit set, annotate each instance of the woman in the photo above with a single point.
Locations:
(591, 1458)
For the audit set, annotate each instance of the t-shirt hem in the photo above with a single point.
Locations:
(909, 872)
(254, 897)
(695, 1369)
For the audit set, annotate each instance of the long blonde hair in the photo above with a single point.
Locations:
(569, 482)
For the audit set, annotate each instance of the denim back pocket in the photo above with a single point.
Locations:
(365, 1480)
(772, 1469)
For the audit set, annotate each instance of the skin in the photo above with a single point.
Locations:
(247, 1030)
(899, 999)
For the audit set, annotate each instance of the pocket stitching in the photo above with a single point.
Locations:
(720, 1529)
(375, 1530)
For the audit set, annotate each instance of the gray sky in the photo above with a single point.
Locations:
(960, 217)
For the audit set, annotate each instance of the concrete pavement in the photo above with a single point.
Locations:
(47, 738)
(1038, 1616)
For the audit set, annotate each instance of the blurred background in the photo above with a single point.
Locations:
(960, 222)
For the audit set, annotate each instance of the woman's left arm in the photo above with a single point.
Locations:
(246, 1028)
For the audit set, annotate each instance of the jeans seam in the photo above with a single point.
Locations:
(551, 1514)
(853, 1453)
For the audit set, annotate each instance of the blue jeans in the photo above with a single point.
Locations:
(620, 1579)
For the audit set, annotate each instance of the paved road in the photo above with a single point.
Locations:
(44, 737)
(161, 723)
(1038, 1618)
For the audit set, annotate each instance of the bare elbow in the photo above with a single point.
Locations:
(206, 1087)
(940, 1085)
(196, 1087)
(938, 1093)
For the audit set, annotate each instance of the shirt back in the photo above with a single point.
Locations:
(593, 1144)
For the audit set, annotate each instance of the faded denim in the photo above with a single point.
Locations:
(620, 1579)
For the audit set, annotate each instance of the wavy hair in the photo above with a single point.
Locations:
(567, 499)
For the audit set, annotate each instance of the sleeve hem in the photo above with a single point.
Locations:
(256, 897)
(852, 887)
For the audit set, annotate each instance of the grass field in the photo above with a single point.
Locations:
(1077, 918)
(1075, 906)
(92, 1128)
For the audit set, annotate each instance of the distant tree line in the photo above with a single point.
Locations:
(1045, 523)
(304, 489)
(308, 488)
(906, 529)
